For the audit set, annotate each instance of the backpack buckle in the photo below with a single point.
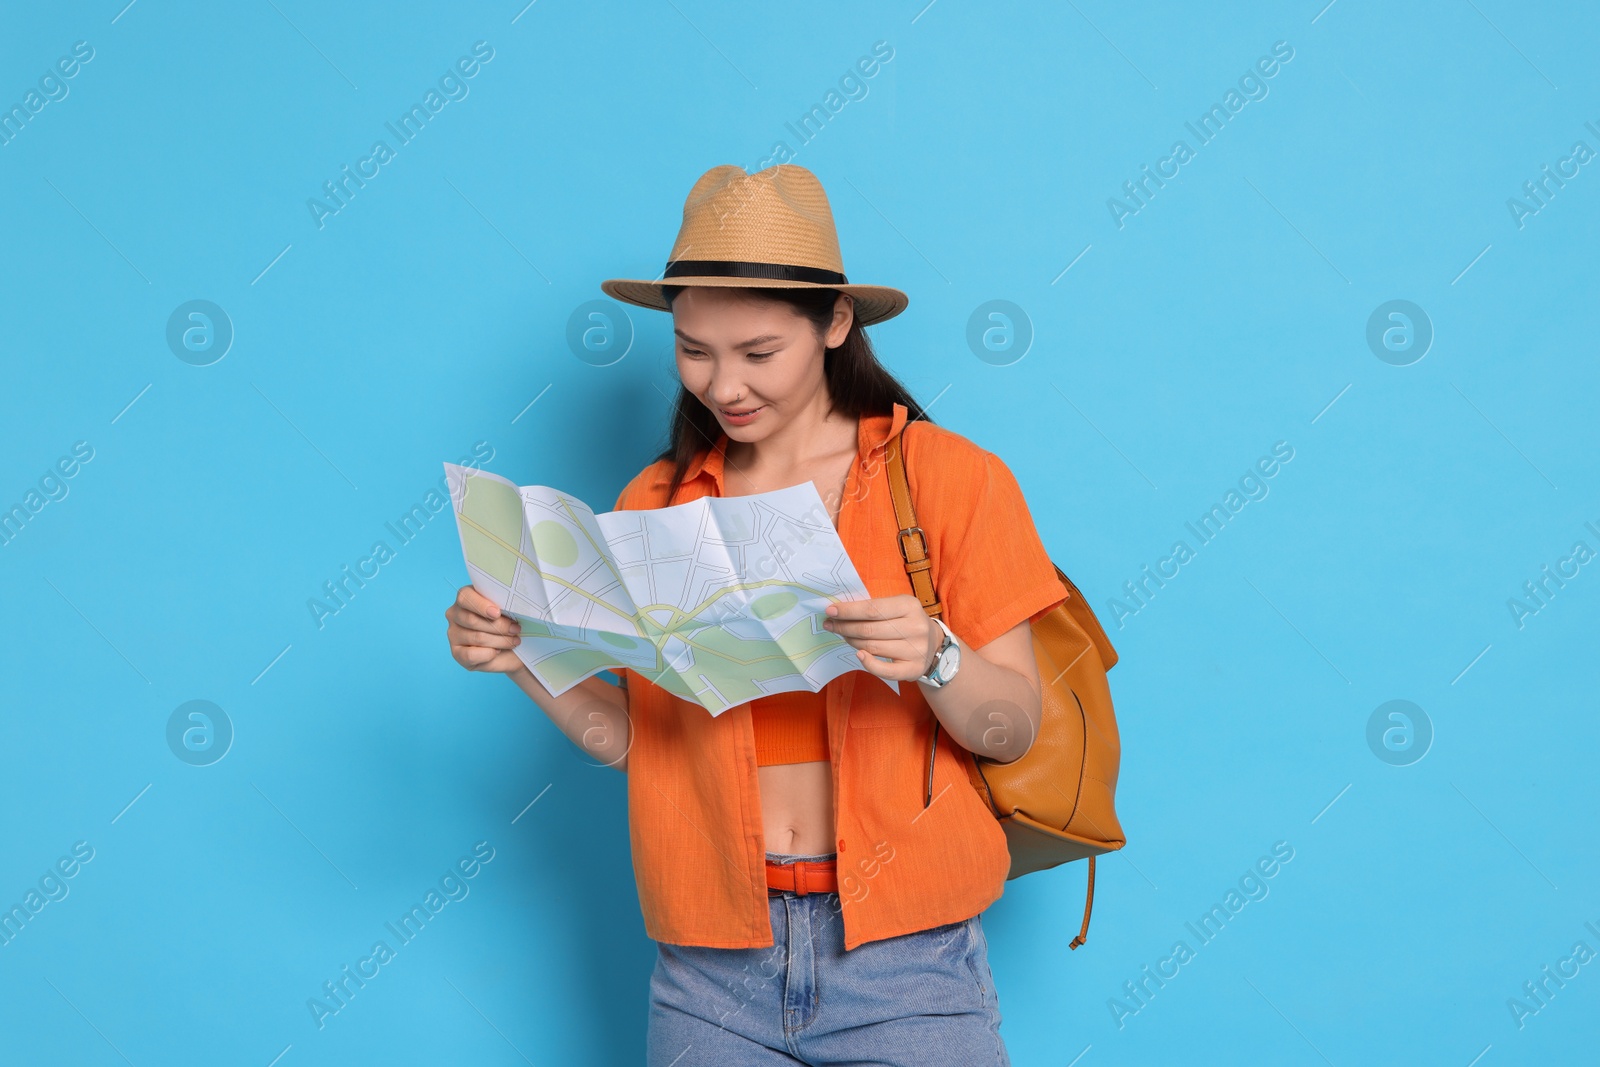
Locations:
(922, 538)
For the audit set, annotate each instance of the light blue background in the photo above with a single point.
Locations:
(1228, 314)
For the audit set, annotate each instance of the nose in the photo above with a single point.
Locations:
(725, 391)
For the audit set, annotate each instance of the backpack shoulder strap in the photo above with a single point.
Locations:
(913, 541)
(914, 549)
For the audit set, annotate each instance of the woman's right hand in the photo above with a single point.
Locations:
(481, 638)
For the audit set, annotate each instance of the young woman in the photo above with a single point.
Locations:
(814, 895)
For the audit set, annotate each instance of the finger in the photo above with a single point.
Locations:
(882, 628)
(473, 620)
(874, 608)
(897, 652)
(475, 657)
(468, 638)
(469, 598)
(868, 664)
(466, 656)
(876, 666)
(460, 617)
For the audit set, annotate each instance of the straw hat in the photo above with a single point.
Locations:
(771, 229)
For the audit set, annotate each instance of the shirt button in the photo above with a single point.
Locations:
(841, 844)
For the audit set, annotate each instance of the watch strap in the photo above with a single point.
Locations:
(938, 655)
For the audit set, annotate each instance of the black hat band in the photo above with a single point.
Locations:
(727, 268)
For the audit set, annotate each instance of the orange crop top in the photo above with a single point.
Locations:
(790, 727)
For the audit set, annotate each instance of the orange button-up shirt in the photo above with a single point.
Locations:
(694, 801)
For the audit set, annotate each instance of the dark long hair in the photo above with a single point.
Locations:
(857, 383)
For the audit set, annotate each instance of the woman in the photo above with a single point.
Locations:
(814, 898)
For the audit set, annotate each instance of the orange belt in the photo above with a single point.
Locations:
(804, 876)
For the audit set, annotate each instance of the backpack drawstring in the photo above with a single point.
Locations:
(1088, 902)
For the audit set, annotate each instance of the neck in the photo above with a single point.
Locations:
(808, 435)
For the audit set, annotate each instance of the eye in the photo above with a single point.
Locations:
(692, 353)
(761, 355)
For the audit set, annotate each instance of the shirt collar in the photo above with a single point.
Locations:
(872, 433)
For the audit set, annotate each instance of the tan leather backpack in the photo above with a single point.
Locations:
(1056, 803)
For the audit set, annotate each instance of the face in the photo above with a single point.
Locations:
(753, 362)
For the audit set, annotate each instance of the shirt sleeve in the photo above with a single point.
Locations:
(998, 573)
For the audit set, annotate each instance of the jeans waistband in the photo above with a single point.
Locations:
(809, 857)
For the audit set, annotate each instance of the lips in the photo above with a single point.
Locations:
(740, 414)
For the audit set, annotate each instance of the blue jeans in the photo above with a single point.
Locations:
(925, 998)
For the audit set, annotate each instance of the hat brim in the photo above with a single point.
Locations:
(874, 303)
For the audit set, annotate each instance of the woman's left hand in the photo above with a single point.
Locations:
(894, 628)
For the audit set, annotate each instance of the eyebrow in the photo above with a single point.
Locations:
(766, 338)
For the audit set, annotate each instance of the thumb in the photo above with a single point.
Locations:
(871, 663)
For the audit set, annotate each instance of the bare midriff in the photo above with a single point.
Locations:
(797, 807)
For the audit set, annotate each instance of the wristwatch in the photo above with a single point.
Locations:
(945, 661)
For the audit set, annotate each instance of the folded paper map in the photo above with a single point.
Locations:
(720, 600)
